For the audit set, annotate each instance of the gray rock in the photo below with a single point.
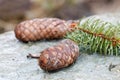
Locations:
(15, 66)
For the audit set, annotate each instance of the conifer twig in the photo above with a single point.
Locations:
(95, 35)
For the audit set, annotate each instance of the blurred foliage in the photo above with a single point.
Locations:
(14, 11)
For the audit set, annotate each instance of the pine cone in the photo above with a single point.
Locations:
(37, 29)
(59, 56)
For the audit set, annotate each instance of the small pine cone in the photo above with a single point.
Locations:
(59, 56)
(45, 28)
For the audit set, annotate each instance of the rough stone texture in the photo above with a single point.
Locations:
(15, 66)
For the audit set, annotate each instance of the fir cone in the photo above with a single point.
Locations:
(59, 56)
(45, 28)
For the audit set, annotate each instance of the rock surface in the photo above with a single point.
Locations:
(15, 66)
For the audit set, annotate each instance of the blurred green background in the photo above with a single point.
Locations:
(13, 12)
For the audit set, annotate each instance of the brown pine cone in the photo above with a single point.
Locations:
(59, 56)
(45, 28)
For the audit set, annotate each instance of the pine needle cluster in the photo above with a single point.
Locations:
(97, 36)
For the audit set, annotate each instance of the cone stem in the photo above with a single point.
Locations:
(33, 56)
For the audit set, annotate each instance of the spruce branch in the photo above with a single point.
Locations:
(95, 35)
